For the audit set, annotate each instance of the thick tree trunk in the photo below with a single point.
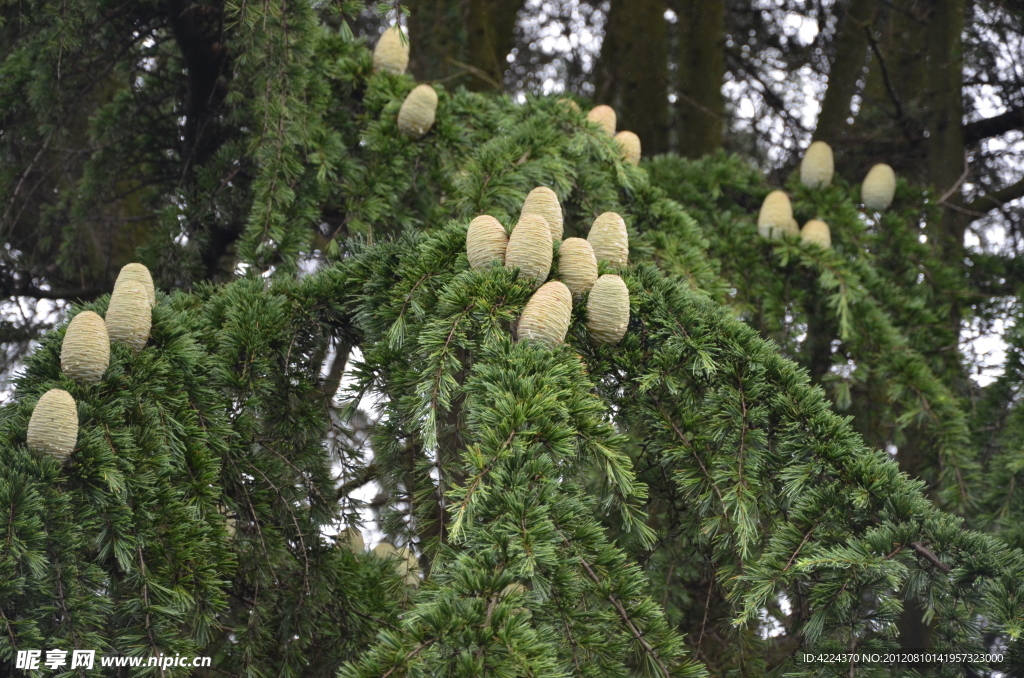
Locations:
(945, 109)
(632, 71)
(698, 123)
(891, 121)
(463, 40)
(851, 52)
(435, 34)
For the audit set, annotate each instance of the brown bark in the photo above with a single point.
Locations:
(698, 123)
(632, 71)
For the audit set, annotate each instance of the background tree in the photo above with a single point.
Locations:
(686, 500)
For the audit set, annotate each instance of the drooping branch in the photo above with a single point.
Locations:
(996, 199)
(994, 126)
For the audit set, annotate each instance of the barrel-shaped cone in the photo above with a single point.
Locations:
(530, 249)
(53, 426)
(418, 111)
(486, 242)
(547, 315)
(85, 351)
(608, 310)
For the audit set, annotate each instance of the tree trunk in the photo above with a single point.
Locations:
(945, 108)
(698, 123)
(891, 122)
(466, 41)
(851, 51)
(435, 33)
(632, 71)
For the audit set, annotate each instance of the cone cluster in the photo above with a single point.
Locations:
(53, 426)
(85, 356)
(817, 169)
(548, 313)
(628, 142)
(418, 111)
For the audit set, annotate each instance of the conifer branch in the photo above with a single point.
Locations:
(994, 126)
(624, 615)
(929, 555)
(412, 653)
(365, 475)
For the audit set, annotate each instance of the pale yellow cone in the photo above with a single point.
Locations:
(569, 104)
(486, 242)
(603, 116)
(418, 111)
(129, 316)
(878, 188)
(608, 310)
(384, 550)
(547, 315)
(629, 144)
(529, 248)
(817, 166)
(392, 52)
(577, 266)
(609, 239)
(53, 426)
(776, 217)
(85, 351)
(817, 231)
(140, 274)
(543, 201)
(352, 539)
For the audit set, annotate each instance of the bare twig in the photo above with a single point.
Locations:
(930, 556)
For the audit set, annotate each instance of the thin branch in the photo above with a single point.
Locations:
(900, 114)
(996, 199)
(415, 651)
(368, 473)
(330, 385)
(959, 182)
(473, 70)
(929, 555)
(624, 615)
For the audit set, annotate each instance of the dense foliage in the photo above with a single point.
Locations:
(688, 500)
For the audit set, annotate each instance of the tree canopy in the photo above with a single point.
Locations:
(786, 452)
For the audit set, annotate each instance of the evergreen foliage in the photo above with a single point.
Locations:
(612, 483)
